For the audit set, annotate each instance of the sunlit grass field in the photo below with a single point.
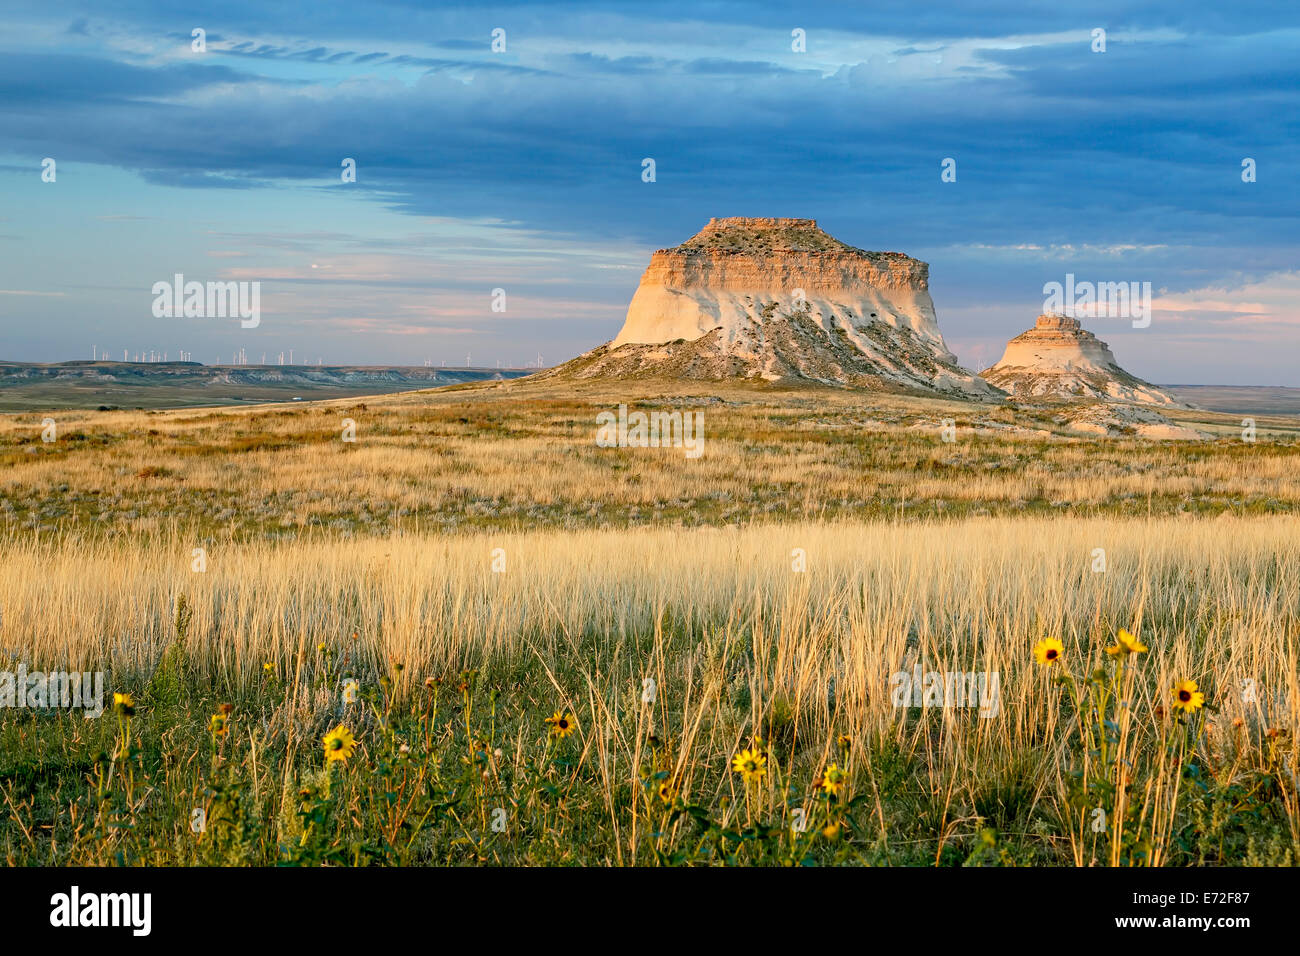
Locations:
(544, 652)
(519, 457)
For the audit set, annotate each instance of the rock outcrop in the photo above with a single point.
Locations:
(780, 300)
(1124, 420)
(1059, 359)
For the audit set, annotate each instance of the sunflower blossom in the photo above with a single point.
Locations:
(1187, 698)
(750, 764)
(1048, 651)
(339, 744)
(1126, 644)
(562, 723)
(833, 780)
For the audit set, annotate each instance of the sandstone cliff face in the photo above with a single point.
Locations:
(779, 299)
(1058, 358)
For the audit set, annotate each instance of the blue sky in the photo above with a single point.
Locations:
(521, 169)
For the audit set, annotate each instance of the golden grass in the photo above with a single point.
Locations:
(983, 586)
(716, 617)
(309, 540)
(521, 458)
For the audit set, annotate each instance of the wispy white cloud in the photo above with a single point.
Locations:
(1265, 303)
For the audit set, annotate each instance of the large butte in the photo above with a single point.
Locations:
(780, 300)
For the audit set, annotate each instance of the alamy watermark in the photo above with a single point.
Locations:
(82, 690)
(918, 688)
(657, 429)
(1110, 300)
(212, 300)
(129, 910)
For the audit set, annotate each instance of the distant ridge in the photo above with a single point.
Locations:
(84, 383)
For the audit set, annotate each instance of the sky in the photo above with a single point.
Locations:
(520, 168)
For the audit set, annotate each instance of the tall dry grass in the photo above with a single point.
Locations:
(1211, 594)
(738, 643)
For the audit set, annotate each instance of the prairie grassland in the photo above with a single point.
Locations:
(739, 646)
(521, 457)
(475, 565)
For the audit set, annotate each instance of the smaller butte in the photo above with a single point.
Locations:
(1058, 358)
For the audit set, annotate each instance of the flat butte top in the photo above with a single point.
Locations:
(738, 235)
